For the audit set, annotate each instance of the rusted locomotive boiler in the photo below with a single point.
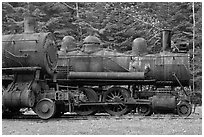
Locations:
(93, 58)
(84, 80)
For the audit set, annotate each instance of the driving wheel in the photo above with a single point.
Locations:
(89, 95)
(116, 95)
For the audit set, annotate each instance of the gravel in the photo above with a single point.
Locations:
(130, 124)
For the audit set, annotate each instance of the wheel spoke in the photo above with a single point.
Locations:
(110, 97)
(116, 92)
(119, 94)
(112, 94)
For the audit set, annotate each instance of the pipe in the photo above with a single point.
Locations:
(20, 70)
(29, 24)
(166, 40)
(107, 75)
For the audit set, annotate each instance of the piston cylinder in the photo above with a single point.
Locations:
(19, 98)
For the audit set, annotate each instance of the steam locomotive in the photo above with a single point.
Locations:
(91, 79)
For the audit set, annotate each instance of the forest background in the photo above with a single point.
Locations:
(117, 24)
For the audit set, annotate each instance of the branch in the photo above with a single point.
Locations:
(187, 33)
(12, 21)
(156, 35)
(147, 23)
(69, 7)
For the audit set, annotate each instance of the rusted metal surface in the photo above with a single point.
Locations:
(162, 102)
(114, 61)
(99, 61)
(19, 93)
(162, 66)
(23, 89)
(19, 99)
(92, 58)
(156, 66)
(29, 50)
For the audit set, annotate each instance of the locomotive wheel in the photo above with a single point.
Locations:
(184, 109)
(145, 110)
(45, 108)
(116, 95)
(90, 96)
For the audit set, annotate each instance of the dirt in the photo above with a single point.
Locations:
(158, 124)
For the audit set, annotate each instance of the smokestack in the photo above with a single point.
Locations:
(166, 40)
(29, 23)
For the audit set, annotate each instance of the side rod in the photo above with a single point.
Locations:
(174, 74)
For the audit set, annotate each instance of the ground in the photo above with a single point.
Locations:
(158, 124)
